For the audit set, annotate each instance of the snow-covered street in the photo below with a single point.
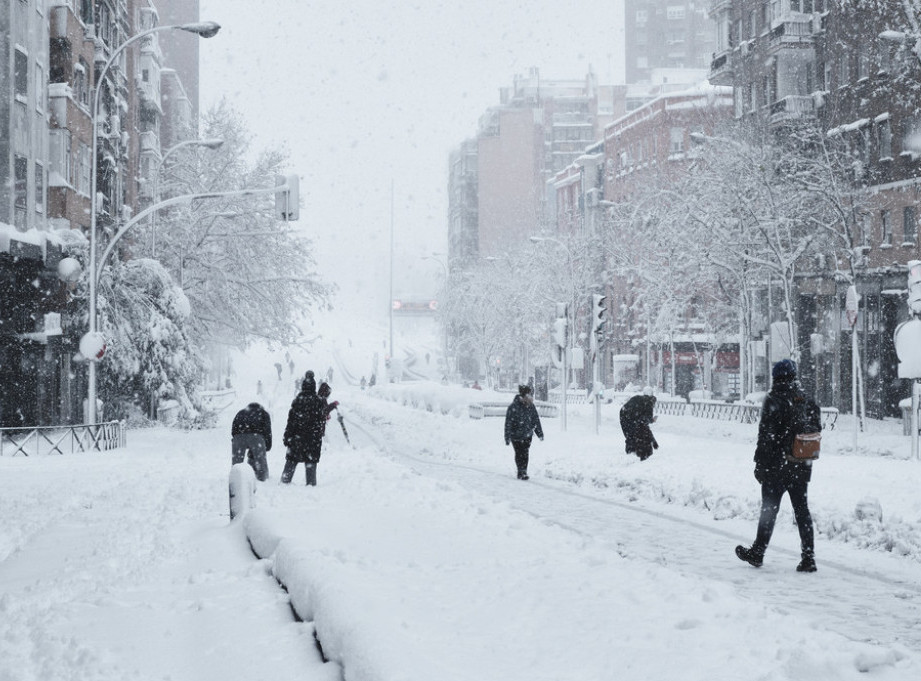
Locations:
(420, 556)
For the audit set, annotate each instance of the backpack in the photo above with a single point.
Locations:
(807, 427)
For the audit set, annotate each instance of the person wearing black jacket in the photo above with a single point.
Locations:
(304, 431)
(521, 420)
(776, 472)
(635, 417)
(251, 432)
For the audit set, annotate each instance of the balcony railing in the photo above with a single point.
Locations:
(790, 32)
(792, 106)
(721, 69)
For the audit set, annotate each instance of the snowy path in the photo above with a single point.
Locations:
(879, 602)
(863, 595)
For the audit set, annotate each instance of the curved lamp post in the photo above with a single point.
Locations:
(209, 143)
(205, 29)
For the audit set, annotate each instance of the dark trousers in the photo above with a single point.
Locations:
(254, 445)
(522, 449)
(771, 494)
(310, 471)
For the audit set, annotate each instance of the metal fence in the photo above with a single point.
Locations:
(736, 411)
(479, 410)
(62, 439)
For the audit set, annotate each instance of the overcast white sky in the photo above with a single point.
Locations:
(365, 92)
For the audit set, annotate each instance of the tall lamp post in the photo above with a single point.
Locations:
(205, 29)
(445, 334)
(572, 293)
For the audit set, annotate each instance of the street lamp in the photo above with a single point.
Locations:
(572, 286)
(205, 29)
(444, 325)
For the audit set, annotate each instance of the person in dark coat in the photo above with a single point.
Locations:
(324, 391)
(521, 421)
(780, 420)
(251, 432)
(304, 431)
(635, 417)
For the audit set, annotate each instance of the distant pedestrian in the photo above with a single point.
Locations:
(304, 431)
(372, 381)
(635, 418)
(521, 422)
(786, 412)
(251, 436)
(364, 383)
(278, 369)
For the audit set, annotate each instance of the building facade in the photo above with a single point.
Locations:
(56, 52)
(831, 62)
(668, 34)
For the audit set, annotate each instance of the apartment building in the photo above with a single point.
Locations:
(668, 34)
(647, 145)
(832, 63)
(539, 127)
(55, 52)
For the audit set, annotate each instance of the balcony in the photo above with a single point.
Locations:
(150, 143)
(792, 107)
(721, 72)
(790, 33)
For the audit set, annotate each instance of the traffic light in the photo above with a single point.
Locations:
(914, 286)
(287, 201)
(598, 313)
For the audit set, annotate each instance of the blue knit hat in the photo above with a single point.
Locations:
(784, 369)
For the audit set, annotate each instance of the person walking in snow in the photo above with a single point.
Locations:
(635, 418)
(251, 433)
(304, 431)
(521, 421)
(786, 411)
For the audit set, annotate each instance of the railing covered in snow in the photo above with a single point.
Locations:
(62, 439)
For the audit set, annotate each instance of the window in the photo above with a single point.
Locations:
(863, 61)
(642, 16)
(909, 225)
(39, 87)
(21, 74)
(675, 12)
(884, 49)
(59, 140)
(39, 187)
(21, 196)
(81, 89)
(886, 224)
(676, 140)
(84, 169)
(752, 24)
(884, 139)
(844, 70)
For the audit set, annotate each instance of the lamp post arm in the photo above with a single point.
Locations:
(176, 200)
(93, 186)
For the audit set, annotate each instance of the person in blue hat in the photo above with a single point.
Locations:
(775, 469)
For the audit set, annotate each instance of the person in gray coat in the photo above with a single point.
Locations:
(521, 421)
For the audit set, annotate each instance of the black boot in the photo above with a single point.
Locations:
(311, 471)
(807, 564)
(751, 556)
(522, 474)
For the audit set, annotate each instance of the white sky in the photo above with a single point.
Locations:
(367, 92)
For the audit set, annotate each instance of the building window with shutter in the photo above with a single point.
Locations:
(21, 75)
(909, 225)
(886, 227)
(39, 188)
